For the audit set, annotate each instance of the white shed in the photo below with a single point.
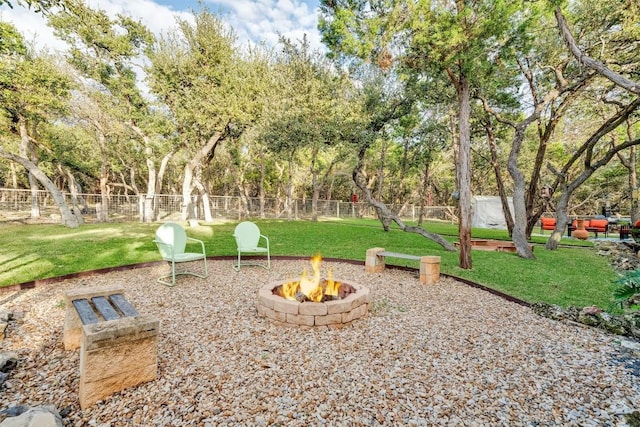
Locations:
(486, 212)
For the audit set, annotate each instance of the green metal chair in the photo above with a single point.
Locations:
(172, 240)
(248, 237)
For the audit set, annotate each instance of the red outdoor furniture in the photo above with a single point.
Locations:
(547, 224)
(600, 226)
(596, 225)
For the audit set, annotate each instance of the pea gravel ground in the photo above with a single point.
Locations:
(445, 354)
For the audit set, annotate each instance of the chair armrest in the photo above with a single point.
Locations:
(266, 239)
(191, 239)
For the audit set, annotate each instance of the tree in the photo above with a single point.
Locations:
(306, 110)
(32, 91)
(207, 87)
(105, 51)
(377, 108)
(619, 107)
(459, 40)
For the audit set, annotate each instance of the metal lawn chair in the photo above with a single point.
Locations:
(248, 238)
(172, 240)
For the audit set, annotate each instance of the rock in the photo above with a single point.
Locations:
(5, 315)
(14, 411)
(622, 255)
(633, 419)
(3, 378)
(592, 310)
(551, 311)
(40, 416)
(8, 362)
(572, 313)
(589, 319)
(614, 324)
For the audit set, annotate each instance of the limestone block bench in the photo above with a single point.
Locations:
(429, 265)
(118, 346)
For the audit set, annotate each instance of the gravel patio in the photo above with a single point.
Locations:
(445, 354)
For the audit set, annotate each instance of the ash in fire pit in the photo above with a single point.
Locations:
(312, 301)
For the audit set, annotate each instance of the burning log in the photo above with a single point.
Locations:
(312, 287)
(343, 289)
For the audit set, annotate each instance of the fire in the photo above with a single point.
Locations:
(310, 287)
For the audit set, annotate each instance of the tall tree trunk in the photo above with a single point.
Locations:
(497, 170)
(26, 151)
(519, 235)
(67, 218)
(424, 191)
(75, 198)
(383, 159)
(289, 203)
(263, 177)
(14, 175)
(206, 204)
(159, 182)
(315, 187)
(103, 211)
(148, 213)
(188, 209)
(633, 179)
(152, 179)
(464, 171)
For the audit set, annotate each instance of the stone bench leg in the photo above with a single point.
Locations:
(72, 332)
(115, 355)
(374, 263)
(429, 270)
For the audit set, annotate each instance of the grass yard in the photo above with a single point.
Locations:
(572, 275)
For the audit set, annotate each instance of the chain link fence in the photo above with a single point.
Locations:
(17, 205)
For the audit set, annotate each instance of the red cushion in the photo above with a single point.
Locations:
(599, 224)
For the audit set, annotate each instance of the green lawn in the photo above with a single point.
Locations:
(569, 276)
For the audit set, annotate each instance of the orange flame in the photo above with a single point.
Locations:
(290, 289)
(331, 287)
(310, 285)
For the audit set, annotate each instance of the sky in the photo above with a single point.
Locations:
(252, 20)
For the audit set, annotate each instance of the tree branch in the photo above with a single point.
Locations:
(583, 58)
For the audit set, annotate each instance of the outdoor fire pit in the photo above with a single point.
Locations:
(312, 301)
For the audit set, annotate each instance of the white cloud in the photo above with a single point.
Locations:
(252, 20)
(32, 26)
(264, 20)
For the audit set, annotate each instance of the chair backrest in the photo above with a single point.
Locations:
(247, 235)
(548, 223)
(172, 234)
(600, 224)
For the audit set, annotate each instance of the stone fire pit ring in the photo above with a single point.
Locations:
(336, 313)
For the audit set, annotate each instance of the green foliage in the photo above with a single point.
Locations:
(32, 88)
(38, 6)
(11, 41)
(104, 50)
(198, 73)
(627, 286)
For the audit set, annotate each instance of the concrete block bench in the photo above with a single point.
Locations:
(429, 265)
(118, 346)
